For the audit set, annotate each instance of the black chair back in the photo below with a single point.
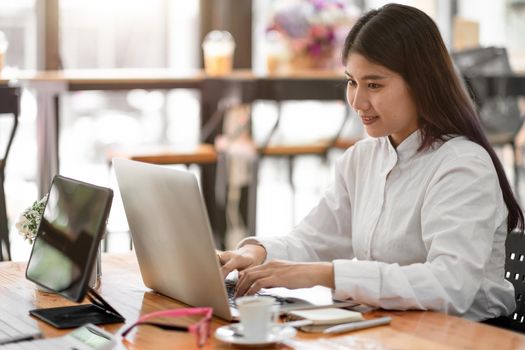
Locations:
(499, 113)
(9, 106)
(515, 273)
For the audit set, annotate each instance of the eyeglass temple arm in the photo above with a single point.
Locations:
(207, 311)
(204, 311)
(168, 327)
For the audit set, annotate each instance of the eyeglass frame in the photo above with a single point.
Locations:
(195, 328)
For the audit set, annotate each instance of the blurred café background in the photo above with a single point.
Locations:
(101, 78)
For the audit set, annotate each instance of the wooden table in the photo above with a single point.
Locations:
(50, 85)
(243, 85)
(122, 287)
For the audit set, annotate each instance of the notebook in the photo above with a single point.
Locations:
(173, 240)
(15, 329)
(324, 318)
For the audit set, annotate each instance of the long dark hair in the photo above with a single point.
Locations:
(407, 41)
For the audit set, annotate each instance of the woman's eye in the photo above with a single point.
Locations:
(373, 85)
(351, 83)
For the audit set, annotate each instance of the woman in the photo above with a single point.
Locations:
(423, 205)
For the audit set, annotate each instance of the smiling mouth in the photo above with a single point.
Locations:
(369, 119)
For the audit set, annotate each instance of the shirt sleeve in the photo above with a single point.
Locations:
(324, 234)
(462, 210)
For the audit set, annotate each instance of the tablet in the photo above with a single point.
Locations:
(67, 240)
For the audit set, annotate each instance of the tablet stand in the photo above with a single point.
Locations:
(98, 312)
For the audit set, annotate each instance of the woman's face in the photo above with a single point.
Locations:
(381, 98)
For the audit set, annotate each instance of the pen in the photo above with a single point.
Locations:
(348, 327)
(20, 338)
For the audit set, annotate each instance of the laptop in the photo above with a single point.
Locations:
(174, 245)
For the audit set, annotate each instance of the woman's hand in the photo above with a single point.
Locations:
(279, 273)
(246, 256)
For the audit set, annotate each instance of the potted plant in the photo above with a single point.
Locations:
(314, 30)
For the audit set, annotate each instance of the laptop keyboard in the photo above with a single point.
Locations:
(230, 289)
(14, 329)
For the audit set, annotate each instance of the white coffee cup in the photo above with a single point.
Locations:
(257, 315)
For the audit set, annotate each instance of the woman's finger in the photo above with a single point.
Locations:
(266, 282)
(225, 256)
(248, 278)
(227, 268)
(230, 261)
(250, 275)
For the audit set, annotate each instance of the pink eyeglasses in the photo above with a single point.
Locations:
(201, 329)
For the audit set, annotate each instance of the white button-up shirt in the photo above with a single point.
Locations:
(410, 230)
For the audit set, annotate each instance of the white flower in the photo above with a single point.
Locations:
(29, 220)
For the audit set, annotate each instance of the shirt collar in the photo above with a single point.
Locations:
(408, 147)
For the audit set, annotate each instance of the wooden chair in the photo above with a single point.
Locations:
(290, 90)
(202, 155)
(291, 153)
(9, 106)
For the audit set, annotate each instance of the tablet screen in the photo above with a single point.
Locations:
(67, 241)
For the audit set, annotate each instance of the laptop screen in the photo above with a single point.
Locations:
(67, 241)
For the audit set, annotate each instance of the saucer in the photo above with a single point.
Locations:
(233, 334)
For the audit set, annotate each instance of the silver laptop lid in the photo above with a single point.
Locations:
(171, 233)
